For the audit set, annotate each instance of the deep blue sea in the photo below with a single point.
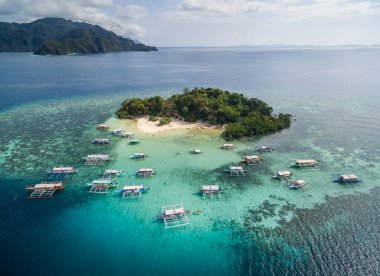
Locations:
(50, 105)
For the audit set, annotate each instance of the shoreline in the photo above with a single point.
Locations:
(150, 127)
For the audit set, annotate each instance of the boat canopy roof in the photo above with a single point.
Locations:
(281, 173)
(63, 168)
(98, 156)
(348, 176)
(210, 188)
(132, 187)
(236, 168)
(197, 150)
(139, 154)
(102, 125)
(228, 145)
(48, 185)
(102, 181)
(251, 157)
(299, 181)
(112, 171)
(305, 161)
(146, 170)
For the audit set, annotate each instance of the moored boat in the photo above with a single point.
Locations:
(264, 149)
(282, 175)
(228, 146)
(347, 178)
(252, 159)
(134, 142)
(138, 156)
(235, 171)
(102, 127)
(305, 163)
(44, 189)
(196, 151)
(100, 141)
(297, 184)
(143, 172)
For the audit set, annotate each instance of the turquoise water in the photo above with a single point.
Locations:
(51, 105)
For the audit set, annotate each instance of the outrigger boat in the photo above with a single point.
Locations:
(138, 156)
(44, 189)
(96, 159)
(283, 175)
(305, 163)
(228, 146)
(134, 142)
(131, 191)
(296, 184)
(211, 190)
(61, 172)
(144, 172)
(264, 149)
(111, 173)
(252, 159)
(174, 216)
(102, 127)
(196, 151)
(121, 133)
(100, 141)
(347, 178)
(101, 185)
(235, 171)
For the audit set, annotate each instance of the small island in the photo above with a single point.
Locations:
(241, 116)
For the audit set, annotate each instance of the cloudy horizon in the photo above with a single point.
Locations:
(216, 22)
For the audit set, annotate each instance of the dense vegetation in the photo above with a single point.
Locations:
(243, 116)
(61, 36)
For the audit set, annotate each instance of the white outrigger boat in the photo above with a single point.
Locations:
(138, 156)
(96, 159)
(347, 178)
(283, 175)
(102, 127)
(196, 151)
(44, 189)
(264, 149)
(305, 163)
(61, 172)
(296, 184)
(111, 173)
(101, 185)
(132, 191)
(211, 190)
(235, 171)
(144, 172)
(228, 146)
(174, 216)
(121, 133)
(252, 160)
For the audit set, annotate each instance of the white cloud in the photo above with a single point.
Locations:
(130, 12)
(290, 9)
(100, 12)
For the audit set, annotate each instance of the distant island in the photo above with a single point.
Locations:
(58, 36)
(243, 117)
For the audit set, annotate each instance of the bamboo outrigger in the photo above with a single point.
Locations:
(144, 172)
(61, 172)
(228, 146)
(252, 160)
(211, 190)
(174, 216)
(305, 164)
(96, 159)
(283, 175)
(347, 178)
(132, 191)
(44, 189)
(102, 127)
(235, 171)
(101, 185)
(296, 184)
(138, 156)
(100, 141)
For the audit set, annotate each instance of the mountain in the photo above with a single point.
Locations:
(58, 36)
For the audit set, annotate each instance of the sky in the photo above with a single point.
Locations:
(216, 22)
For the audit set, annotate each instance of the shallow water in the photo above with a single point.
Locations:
(258, 227)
